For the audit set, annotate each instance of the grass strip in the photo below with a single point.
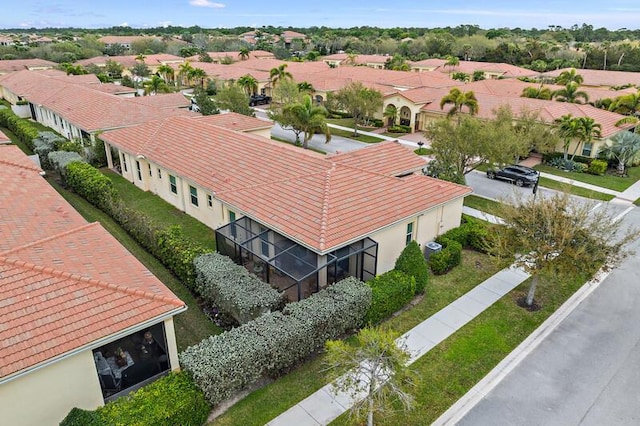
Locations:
(483, 204)
(608, 181)
(575, 190)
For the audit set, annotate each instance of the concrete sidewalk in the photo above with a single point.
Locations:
(324, 406)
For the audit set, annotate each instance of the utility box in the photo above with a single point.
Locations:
(430, 248)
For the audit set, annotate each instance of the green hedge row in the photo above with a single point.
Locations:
(390, 292)
(471, 233)
(169, 245)
(447, 258)
(411, 261)
(268, 346)
(169, 401)
(233, 290)
(23, 129)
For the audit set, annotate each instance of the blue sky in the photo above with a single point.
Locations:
(612, 14)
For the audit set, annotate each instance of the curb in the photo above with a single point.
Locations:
(457, 411)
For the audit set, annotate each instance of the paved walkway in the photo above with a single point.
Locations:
(324, 406)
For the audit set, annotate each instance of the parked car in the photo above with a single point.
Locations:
(520, 175)
(259, 100)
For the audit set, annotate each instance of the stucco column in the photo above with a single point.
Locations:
(107, 151)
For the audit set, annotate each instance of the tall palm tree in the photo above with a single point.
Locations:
(141, 57)
(306, 87)
(183, 73)
(570, 76)
(571, 94)
(459, 99)
(309, 118)
(537, 93)
(166, 72)
(569, 128)
(243, 54)
(589, 130)
(249, 84)
(351, 59)
(155, 85)
(624, 147)
(626, 104)
(452, 61)
(279, 73)
(391, 114)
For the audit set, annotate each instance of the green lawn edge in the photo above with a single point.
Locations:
(615, 183)
(575, 190)
(483, 204)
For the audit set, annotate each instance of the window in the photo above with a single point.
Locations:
(409, 233)
(232, 216)
(150, 174)
(194, 195)
(159, 174)
(139, 170)
(124, 162)
(209, 200)
(586, 150)
(172, 184)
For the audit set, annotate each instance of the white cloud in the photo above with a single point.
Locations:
(124, 24)
(206, 3)
(164, 24)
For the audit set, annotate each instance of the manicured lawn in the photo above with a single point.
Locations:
(275, 138)
(160, 211)
(453, 367)
(609, 181)
(345, 122)
(265, 404)
(483, 204)
(423, 151)
(360, 138)
(575, 190)
(191, 326)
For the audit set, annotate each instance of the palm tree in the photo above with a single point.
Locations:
(198, 74)
(624, 147)
(141, 57)
(155, 85)
(309, 119)
(460, 99)
(183, 72)
(351, 59)
(537, 93)
(626, 104)
(570, 93)
(249, 84)
(279, 73)
(570, 128)
(306, 87)
(452, 61)
(244, 53)
(391, 114)
(605, 47)
(166, 72)
(589, 130)
(570, 76)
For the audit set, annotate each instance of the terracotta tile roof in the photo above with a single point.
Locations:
(359, 59)
(389, 78)
(163, 100)
(322, 202)
(601, 77)
(469, 67)
(4, 138)
(114, 89)
(235, 55)
(65, 283)
(229, 72)
(10, 65)
(235, 121)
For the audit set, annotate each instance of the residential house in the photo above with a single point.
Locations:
(71, 297)
(298, 219)
(347, 59)
(600, 78)
(234, 56)
(128, 61)
(11, 65)
(490, 70)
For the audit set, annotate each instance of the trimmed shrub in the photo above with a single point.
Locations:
(71, 146)
(177, 253)
(89, 183)
(446, 259)
(597, 167)
(42, 148)
(23, 129)
(472, 233)
(58, 160)
(80, 417)
(390, 291)
(224, 364)
(233, 290)
(399, 128)
(412, 262)
(171, 400)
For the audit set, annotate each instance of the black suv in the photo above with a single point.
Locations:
(259, 100)
(520, 175)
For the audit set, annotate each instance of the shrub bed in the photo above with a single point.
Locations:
(233, 290)
(23, 130)
(390, 291)
(399, 128)
(226, 363)
(59, 160)
(598, 167)
(89, 183)
(446, 259)
(412, 262)
(169, 401)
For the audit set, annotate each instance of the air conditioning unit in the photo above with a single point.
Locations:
(430, 248)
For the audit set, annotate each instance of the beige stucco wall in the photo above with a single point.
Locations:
(44, 397)
(399, 102)
(597, 144)
(426, 227)
(51, 119)
(265, 133)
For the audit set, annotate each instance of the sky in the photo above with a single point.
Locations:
(612, 14)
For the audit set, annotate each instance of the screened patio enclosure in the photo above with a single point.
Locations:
(289, 266)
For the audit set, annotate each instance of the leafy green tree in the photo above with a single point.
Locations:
(459, 99)
(376, 368)
(478, 75)
(624, 147)
(205, 57)
(155, 85)
(537, 93)
(285, 93)
(461, 76)
(554, 237)
(571, 94)
(412, 262)
(359, 101)
(307, 118)
(73, 69)
(113, 68)
(140, 69)
(233, 98)
(249, 84)
(197, 74)
(206, 105)
(626, 104)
